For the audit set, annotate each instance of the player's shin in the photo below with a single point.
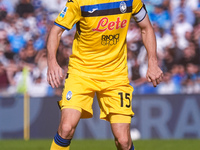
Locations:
(59, 143)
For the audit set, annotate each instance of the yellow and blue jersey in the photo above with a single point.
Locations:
(99, 48)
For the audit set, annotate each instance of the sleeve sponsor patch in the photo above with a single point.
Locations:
(63, 12)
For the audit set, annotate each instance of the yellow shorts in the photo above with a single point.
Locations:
(114, 97)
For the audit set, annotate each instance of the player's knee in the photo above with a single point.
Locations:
(123, 142)
(66, 130)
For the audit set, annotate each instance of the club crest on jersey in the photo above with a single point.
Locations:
(69, 95)
(62, 14)
(123, 7)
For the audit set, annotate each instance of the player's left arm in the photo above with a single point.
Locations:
(154, 73)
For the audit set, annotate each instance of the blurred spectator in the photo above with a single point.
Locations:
(35, 86)
(183, 9)
(27, 32)
(190, 55)
(192, 4)
(6, 7)
(54, 5)
(167, 86)
(178, 76)
(190, 85)
(41, 62)
(37, 4)
(197, 10)
(39, 41)
(133, 35)
(4, 83)
(196, 35)
(30, 52)
(168, 60)
(143, 62)
(130, 64)
(68, 36)
(25, 8)
(161, 17)
(154, 2)
(181, 27)
(192, 71)
(7, 60)
(17, 41)
(64, 51)
(164, 40)
(139, 71)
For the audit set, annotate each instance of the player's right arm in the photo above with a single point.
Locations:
(54, 72)
(69, 16)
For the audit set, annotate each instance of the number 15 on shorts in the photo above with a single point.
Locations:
(125, 96)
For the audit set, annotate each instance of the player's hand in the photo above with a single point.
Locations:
(54, 74)
(154, 74)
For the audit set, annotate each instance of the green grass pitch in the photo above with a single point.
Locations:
(43, 144)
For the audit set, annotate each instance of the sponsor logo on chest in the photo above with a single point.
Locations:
(110, 39)
(104, 24)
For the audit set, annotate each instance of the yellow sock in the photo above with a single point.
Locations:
(54, 146)
(59, 143)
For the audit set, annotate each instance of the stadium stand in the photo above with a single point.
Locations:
(24, 26)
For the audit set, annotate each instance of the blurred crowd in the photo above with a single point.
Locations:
(177, 27)
(24, 27)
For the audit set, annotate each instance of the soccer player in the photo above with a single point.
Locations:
(98, 64)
